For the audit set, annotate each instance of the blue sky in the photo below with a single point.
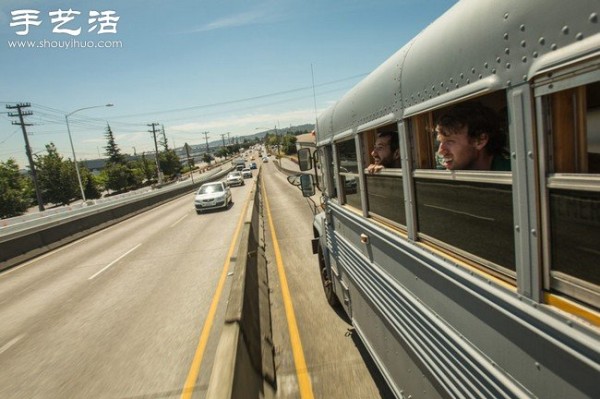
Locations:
(194, 66)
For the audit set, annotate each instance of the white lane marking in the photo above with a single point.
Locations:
(115, 261)
(10, 343)
(179, 220)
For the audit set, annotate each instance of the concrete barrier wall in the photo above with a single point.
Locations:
(244, 364)
(23, 245)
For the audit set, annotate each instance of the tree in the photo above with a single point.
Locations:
(57, 178)
(118, 177)
(169, 163)
(15, 190)
(163, 139)
(112, 150)
(206, 157)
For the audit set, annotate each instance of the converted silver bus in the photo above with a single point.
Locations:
(472, 283)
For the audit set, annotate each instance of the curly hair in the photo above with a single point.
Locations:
(478, 119)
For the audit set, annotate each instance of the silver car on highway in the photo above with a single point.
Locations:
(212, 195)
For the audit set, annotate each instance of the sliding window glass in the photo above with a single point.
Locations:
(383, 175)
(571, 123)
(463, 183)
(348, 172)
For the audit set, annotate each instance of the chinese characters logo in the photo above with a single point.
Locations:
(66, 22)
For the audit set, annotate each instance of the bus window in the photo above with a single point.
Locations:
(348, 172)
(383, 175)
(573, 188)
(463, 187)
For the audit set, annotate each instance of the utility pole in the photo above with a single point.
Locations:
(159, 173)
(206, 138)
(187, 153)
(223, 138)
(21, 114)
(228, 138)
(207, 147)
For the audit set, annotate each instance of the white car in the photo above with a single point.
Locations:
(212, 195)
(235, 179)
(265, 159)
(246, 173)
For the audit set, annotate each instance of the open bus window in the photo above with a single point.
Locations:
(462, 206)
(383, 176)
(348, 172)
(572, 119)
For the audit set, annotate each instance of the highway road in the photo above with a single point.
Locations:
(336, 364)
(120, 313)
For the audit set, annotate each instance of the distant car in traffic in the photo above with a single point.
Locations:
(253, 165)
(212, 195)
(265, 159)
(246, 173)
(235, 179)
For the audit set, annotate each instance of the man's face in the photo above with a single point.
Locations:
(382, 152)
(457, 150)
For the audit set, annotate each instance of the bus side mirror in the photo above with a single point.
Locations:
(304, 182)
(304, 159)
(307, 185)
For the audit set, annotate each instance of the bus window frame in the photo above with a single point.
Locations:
(367, 140)
(422, 160)
(570, 78)
(343, 200)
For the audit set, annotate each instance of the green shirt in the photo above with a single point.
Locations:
(500, 163)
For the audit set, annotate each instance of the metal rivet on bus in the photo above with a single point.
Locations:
(535, 54)
(524, 59)
(534, 232)
(472, 70)
(530, 154)
(507, 51)
(451, 80)
(524, 78)
(462, 76)
(522, 28)
(593, 18)
(485, 65)
(506, 36)
(517, 229)
(480, 76)
(468, 80)
(498, 60)
(494, 71)
(523, 43)
(565, 30)
(554, 46)
(514, 155)
(542, 41)
(579, 36)
(364, 238)
(506, 16)
(538, 366)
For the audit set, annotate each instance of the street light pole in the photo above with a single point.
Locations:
(73, 148)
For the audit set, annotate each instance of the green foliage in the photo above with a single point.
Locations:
(57, 178)
(15, 190)
(169, 163)
(112, 149)
(206, 157)
(118, 177)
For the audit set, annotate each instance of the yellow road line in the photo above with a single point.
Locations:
(190, 381)
(304, 382)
